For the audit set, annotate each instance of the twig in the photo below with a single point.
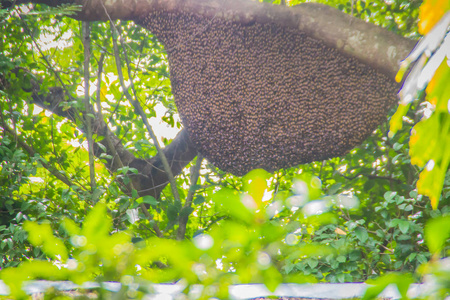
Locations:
(370, 176)
(109, 143)
(321, 169)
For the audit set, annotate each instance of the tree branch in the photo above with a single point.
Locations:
(371, 176)
(195, 173)
(375, 46)
(151, 179)
(87, 102)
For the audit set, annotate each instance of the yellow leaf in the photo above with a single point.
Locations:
(401, 72)
(340, 231)
(103, 93)
(425, 140)
(438, 90)
(431, 179)
(430, 184)
(396, 122)
(255, 184)
(430, 13)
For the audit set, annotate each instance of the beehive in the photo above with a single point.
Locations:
(265, 96)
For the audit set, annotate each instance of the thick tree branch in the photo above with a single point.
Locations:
(151, 178)
(375, 46)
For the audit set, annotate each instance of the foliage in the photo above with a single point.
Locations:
(259, 228)
(436, 272)
(244, 247)
(430, 138)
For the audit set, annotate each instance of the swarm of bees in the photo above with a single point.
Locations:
(265, 96)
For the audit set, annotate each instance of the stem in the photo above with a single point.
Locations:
(141, 112)
(87, 106)
(195, 173)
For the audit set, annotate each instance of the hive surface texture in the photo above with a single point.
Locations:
(266, 96)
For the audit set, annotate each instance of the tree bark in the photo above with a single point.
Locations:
(375, 46)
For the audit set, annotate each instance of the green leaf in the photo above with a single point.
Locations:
(97, 224)
(199, 200)
(404, 226)
(150, 200)
(397, 146)
(172, 212)
(313, 262)
(361, 234)
(195, 187)
(389, 195)
(354, 255)
(341, 258)
(334, 188)
(340, 277)
(113, 190)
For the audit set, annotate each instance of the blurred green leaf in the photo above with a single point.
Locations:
(437, 232)
(42, 235)
(230, 200)
(402, 281)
